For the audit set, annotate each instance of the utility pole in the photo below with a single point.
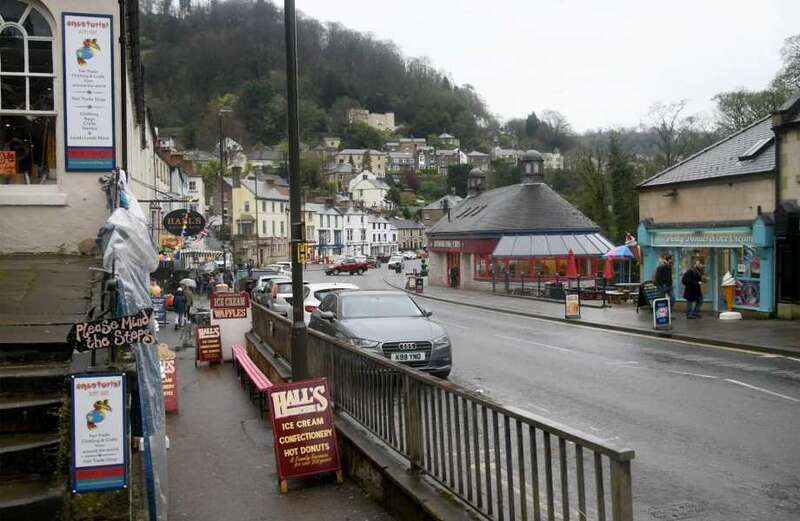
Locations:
(299, 343)
(220, 112)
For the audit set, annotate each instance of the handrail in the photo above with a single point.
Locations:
(493, 456)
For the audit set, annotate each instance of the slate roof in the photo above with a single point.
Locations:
(265, 191)
(404, 224)
(520, 208)
(721, 159)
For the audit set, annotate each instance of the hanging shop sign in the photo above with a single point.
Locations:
(8, 162)
(99, 432)
(303, 431)
(208, 344)
(88, 53)
(112, 332)
(230, 305)
(572, 305)
(184, 222)
(703, 238)
(169, 377)
(662, 316)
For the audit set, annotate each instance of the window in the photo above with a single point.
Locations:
(273, 206)
(247, 206)
(27, 104)
(263, 206)
(329, 221)
(263, 226)
(281, 228)
(193, 186)
(273, 228)
(281, 207)
(320, 221)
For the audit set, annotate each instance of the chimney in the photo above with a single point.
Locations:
(532, 164)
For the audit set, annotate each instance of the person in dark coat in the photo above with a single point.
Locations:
(693, 292)
(663, 278)
(179, 303)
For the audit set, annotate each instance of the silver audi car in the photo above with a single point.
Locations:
(388, 322)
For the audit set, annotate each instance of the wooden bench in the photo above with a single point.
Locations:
(253, 380)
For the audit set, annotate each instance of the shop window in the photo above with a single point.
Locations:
(27, 104)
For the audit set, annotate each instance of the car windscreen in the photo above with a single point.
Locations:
(378, 306)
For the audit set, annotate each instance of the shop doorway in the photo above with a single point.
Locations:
(454, 269)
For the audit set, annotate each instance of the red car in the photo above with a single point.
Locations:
(347, 265)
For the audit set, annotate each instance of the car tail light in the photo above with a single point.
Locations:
(310, 309)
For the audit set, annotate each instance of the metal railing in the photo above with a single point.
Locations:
(505, 462)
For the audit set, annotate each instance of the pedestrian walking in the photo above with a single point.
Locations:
(454, 277)
(693, 292)
(663, 278)
(179, 305)
(188, 294)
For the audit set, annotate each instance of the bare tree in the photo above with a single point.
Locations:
(554, 129)
(788, 78)
(674, 131)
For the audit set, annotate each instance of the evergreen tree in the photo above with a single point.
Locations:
(625, 199)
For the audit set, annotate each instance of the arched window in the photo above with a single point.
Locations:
(27, 101)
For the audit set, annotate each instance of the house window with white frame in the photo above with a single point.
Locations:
(192, 186)
(27, 102)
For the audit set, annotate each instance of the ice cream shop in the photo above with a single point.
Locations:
(744, 250)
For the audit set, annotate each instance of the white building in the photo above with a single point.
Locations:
(330, 230)
(355, 231)
(382, 235)
(369, 191)
(553, 160)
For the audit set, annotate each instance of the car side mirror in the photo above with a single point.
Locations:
(427, 313)
(327, 315)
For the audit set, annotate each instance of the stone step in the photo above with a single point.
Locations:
(30, 497)
(28, 453)
(30, 413)
(38, 377)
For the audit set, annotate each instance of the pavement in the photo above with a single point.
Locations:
(221, 459)
(772, 336)
(715, 429)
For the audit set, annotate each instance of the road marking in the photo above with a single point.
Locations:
(548, 346)
(623, 363)
(458, 326)
(693, 374)
(737, 382)
(793, 358)
(771, 356)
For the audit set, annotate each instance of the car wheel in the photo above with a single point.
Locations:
(335, 272)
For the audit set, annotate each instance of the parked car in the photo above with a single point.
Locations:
(373, 262)
(315, 292)
(347, 265)
(279, 297)
(410, 255)
(395, 263)
(383, 257)
(388, 322)
(261, 286)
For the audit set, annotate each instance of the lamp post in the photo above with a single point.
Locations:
(220, 112)
(299, 344)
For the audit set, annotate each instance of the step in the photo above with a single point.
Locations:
(38, 377)
(24, 453)
(30, 413)
(30, 497)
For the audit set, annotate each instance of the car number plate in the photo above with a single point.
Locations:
(413, 356)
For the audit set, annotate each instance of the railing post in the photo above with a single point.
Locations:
(621, 493)
(413, 423)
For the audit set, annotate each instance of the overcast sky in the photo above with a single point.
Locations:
(601, 63)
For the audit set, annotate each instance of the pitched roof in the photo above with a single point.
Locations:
(402, 224)
(521, 208)
(476, 153)
(358, 151)
(725, 158)
(265, 191)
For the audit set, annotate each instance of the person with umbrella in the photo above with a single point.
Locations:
(179, 304)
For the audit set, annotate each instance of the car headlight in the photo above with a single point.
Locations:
(443, 342)
(364, 342)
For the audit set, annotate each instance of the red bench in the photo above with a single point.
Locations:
(253, 380)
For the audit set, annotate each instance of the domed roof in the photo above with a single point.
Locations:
(532, 155)
(476, 172)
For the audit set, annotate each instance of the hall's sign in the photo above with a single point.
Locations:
(446, 245)
(184, 222)
(88, 57)
(700, 238)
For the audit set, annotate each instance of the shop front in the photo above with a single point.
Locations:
(460, 262)
(743, 249)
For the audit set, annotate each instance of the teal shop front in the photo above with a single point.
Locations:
(745, 249)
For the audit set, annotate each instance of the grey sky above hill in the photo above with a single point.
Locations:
(600, 63)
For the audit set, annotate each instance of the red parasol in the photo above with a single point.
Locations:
(608, 269)
(572, 268)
